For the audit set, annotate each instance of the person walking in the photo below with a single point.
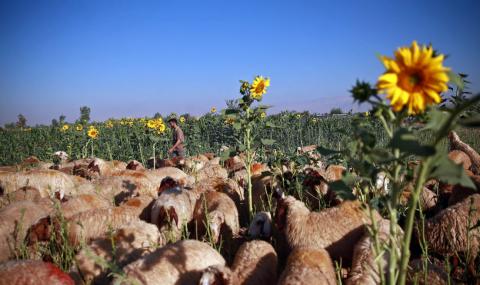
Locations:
(178, 138)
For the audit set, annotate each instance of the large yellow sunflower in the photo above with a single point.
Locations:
(92, 132)
(414, 79)
(79, 127)
(65, 127)
(259, 87)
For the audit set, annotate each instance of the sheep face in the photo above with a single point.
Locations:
(261, 226)
(216, 220)
(214, 275)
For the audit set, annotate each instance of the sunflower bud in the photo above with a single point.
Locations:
(362, 91)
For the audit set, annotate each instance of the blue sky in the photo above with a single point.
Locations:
(135, 58)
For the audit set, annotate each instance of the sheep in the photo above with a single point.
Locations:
(124, 185)
(32, 272)
(436, 275)
(26, 193)
(47, 181)
(365, 268)
(335, 229)
(450, 232)
(457, 144)
(173, 210)
(261, 226)
(459, 157)
(216, 211)
(131, 242)
(308, 266)
(178, 263)
(255, 263)
(142, 205)
(210, 171)
(157, 175)
(135, 165)
(99, 167)
(83, 226)
(81, 203)
(15, 220)
(61, 155)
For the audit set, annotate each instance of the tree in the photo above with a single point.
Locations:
(54, 123)
(22, 121)
(61, 119)
(84, 114)
(157, 115)
(335, 111)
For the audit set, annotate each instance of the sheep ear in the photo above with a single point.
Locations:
(281, 216)
(278, 193)
(93, 167)
(173, 215)
(40, 231)
(132, 165)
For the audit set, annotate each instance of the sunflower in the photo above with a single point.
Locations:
(298, 116)
(414, 79)
(151, 124)
(79, 127)
(109, 124)
(259, 87)
(65, 127)
(263, 115)
(92, 132)
(161, 128)
(213, 110)
(182, 120)
(314, 120)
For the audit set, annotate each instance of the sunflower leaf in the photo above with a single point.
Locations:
(447, 171)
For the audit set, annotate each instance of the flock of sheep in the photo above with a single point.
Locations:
(133, 225)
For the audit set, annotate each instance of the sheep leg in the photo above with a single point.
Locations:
(456, 143)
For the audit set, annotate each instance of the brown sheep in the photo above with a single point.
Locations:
(255, 263)
(15, 220)
(365, 270)
(459, 157)
(308, 266)
(142, 205)
(336, 229)
(32, 272)
(211, 171)
(457, 144)
(218, 212)
(135, 165)
(449, 229)
(435, 274)
(178, 263)
(132, 241)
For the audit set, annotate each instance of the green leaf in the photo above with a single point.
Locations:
(154, 138)
(237, 126)
(226, 154)
(436, 119)
(407, 142)
(232, 112)
(456, 79)
(471, 122)
(343, 188)
(326, 152)
(268, 142)
(447, 171)
(269, 124)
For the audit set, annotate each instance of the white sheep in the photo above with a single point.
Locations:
(261, 226)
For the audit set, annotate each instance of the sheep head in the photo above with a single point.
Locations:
(40, 231)
(167, 183)
(261, 226)
(215, 275)
(134, 165)
(216, 219)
